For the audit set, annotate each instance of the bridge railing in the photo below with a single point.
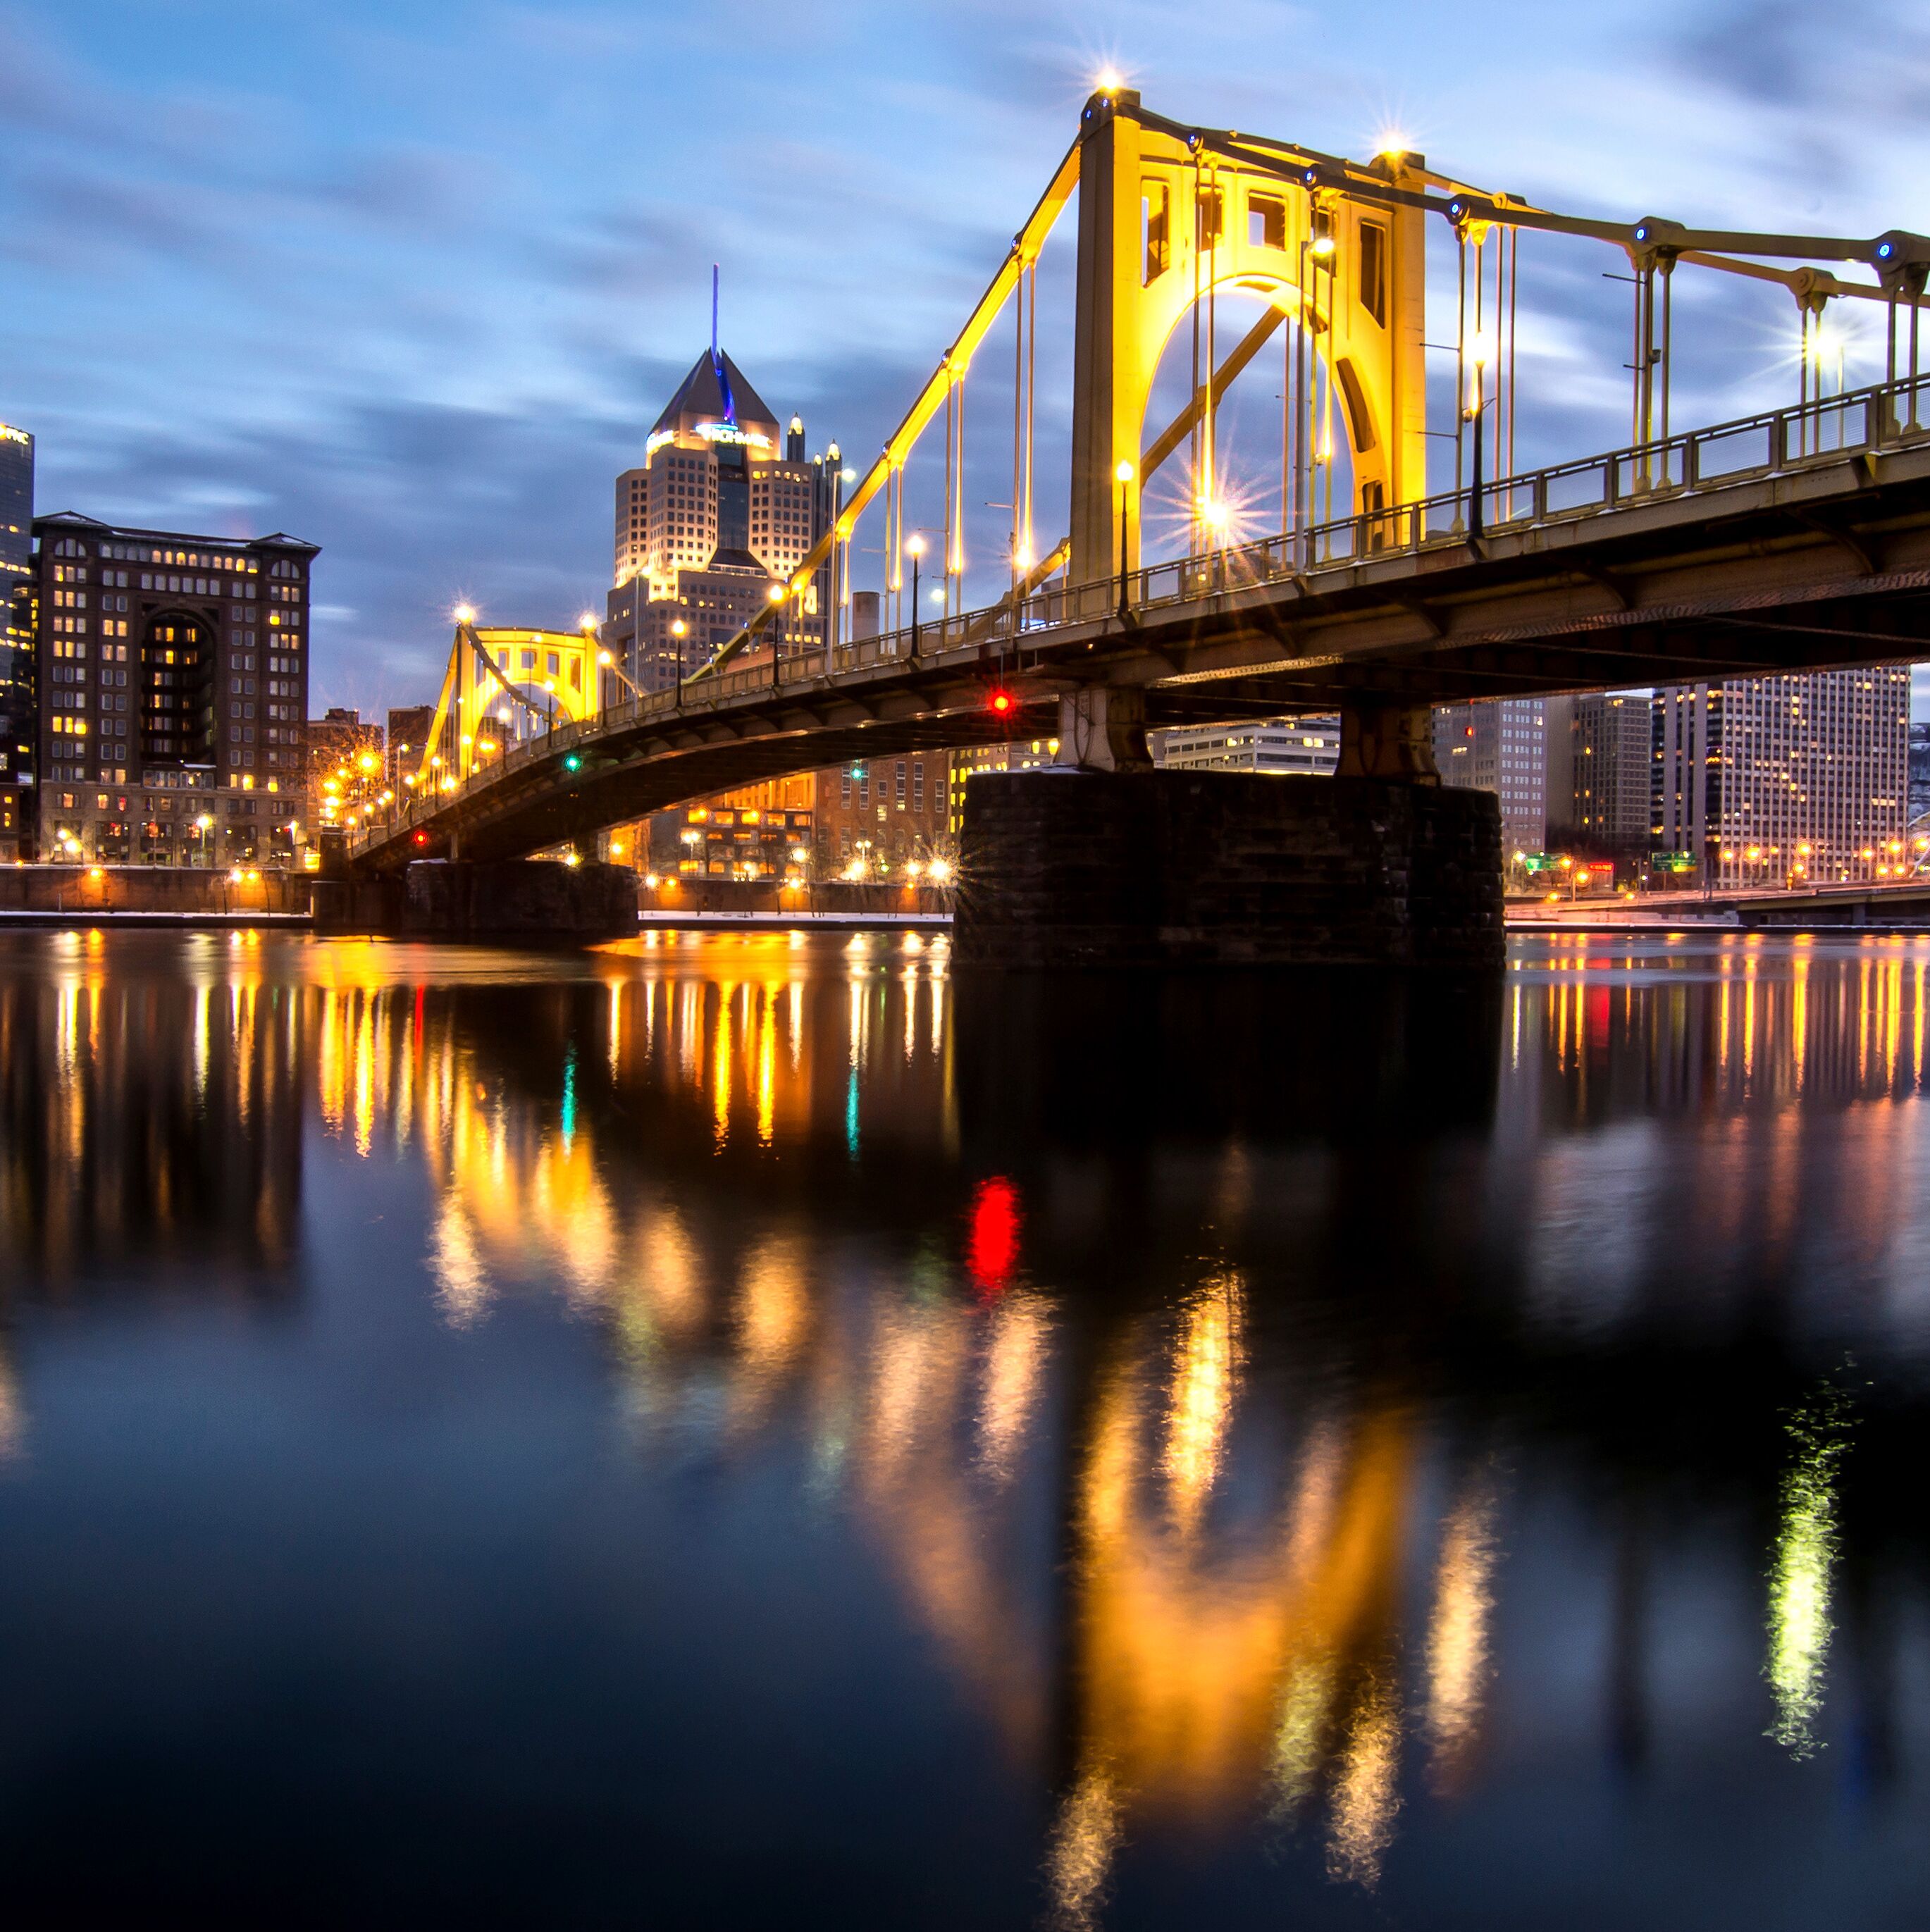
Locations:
(1886, 415)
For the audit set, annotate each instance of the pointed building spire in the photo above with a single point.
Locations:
(717, 356)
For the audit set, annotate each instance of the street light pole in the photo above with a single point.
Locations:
(1477, 414)
(1124, 473)
(916, 547)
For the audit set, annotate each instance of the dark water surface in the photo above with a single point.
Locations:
(747, 1431)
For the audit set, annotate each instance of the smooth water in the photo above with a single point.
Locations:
(750, 1431)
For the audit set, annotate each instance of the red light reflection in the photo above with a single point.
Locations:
(992, 1247)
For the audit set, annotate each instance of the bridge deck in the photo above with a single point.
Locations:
(1796, 540)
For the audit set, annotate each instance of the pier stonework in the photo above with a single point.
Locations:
(528, 901)
(1067, 867)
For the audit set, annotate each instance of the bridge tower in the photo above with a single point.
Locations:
(1166, 222)
(503, 684)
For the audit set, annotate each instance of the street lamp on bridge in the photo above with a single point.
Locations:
(914, 548)
(1124, 473)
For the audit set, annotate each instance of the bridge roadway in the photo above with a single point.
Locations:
(1796, 540)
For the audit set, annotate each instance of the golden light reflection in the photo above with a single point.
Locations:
(1015, 1361)
(1205, 1371)
(1457, 1636)
(1085, 1835)
(1366, 1794)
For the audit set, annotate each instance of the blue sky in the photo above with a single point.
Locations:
(411, 280)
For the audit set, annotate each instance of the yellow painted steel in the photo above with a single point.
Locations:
(1168, 222)
(550, 676)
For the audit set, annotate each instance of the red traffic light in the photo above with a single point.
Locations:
(421, 839)
(1002, 702)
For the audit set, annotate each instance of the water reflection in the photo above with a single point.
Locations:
(1193, 1357)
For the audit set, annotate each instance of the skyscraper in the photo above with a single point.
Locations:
(1764, 780)
(18, 683)
(1610, 749)
(1499, 746)
(174, 687)
(713, 526)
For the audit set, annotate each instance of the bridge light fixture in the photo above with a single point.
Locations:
(1323, 246)
(1124, 471)
(1109, 80)
(465, 614)
(914, 545)
(604, 657)
(776, 593)
(587, 621)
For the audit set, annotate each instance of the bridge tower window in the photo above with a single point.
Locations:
(1266, 221)
(1374, 271)
(1208, 219)
(1156, 228)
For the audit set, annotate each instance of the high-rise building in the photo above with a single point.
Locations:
(173, 688)
(1920, 768)
(19, 685)
(1609, 748)
(1765, 780)
(711, 528)
(1499, 746)
(1287, 747)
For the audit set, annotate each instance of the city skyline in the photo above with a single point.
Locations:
(287, 285)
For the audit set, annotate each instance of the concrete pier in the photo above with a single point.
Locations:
(1074, 867)
(527, 901)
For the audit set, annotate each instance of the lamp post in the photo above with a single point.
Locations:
(1477, 414)
(678, 629)
(1124, 473)
(914, 547)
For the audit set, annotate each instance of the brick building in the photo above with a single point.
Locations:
(173, 672)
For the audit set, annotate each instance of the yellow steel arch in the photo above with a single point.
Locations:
(503, 679)
(1164, 221)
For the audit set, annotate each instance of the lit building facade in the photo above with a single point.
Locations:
(757, 831)
(882, 815)
(1769, 780)
(711, 528)
(1291, 747)
(1609, 755)
(1499, 746)
(173, 694)
(1018, 754)
(19, 685)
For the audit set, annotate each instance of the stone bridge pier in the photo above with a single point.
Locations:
(1105, 861)
(521, 901)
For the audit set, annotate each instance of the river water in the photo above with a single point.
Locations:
(750, 1430)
